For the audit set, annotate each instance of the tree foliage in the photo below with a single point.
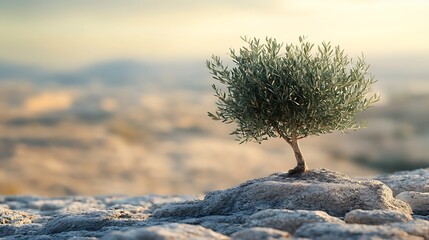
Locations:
(277, 90)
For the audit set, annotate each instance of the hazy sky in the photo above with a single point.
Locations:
(70, 34)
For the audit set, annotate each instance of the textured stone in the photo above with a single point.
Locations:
(327, 231)
(15, 217)
(7, 230)
(260, 233)
(289, 220)
(418, 201)
(376, 217)
(173, 231)
(222, 224)
(318, 189)
(81, 222)
(257, 208)
(416, 181)
(416, 227)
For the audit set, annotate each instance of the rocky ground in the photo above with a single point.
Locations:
(320, 204)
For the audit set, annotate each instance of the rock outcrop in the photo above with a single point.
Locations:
(318, 189)
(320, 204)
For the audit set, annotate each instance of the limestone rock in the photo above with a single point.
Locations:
(376, 217)
(260, 233)
(419, 201)
(416, 181)
(318, 189)
(173, 231)
(289, 220)
(325, 231)
(15, 217)
(416, 227)
(273, 207)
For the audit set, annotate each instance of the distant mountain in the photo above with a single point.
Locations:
(392, 73)
(17, 71)
(189, 75)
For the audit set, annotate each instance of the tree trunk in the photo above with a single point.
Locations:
(301, 167)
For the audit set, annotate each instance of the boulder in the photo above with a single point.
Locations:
(376, 217)
(288, 220)
(172, 231)
(419, 201)
(260, 233)
(416, 181)
(325, 231)
(318, 189)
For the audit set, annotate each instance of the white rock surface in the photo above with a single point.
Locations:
(15, 217)
(419, 201)
(416, 227)
(24, 217)
(416, 181)
(376, 217)
(326, 231)
(318, 189)
(260, 233)
(289, 220)
(274, 207)
(173, 231)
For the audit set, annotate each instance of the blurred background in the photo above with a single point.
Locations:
(110, 97)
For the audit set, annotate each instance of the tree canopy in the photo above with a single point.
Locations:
(290, 91)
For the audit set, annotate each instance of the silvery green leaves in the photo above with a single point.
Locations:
(276, 90)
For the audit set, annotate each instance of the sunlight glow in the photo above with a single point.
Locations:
(66, 35)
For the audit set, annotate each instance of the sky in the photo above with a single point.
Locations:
(71, 34)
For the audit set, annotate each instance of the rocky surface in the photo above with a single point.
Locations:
(416, 227)
(168, 231)
(376, 217)
(416, 181)
(419, 201)
(260, 233)
(288, 220)
(320, 204)
(318, 189)
(351, 231)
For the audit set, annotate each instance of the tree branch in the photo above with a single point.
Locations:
(288, 140)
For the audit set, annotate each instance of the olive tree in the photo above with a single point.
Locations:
(290, 91)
